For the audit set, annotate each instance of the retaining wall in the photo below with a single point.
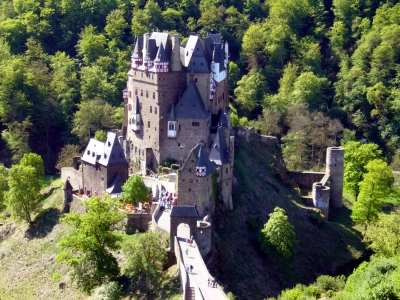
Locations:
(75, 177)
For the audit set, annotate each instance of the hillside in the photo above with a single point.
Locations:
(237, 260)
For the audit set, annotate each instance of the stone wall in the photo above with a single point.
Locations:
(137, 221)
(188, 136)
(203, 240)
(94, 179)
(74, 176)
(193, 189)
(76, 205)
(305, 179)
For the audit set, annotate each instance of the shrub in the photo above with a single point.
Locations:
(326, 283)
(165, 170)
(108, 291)
(312, 291)
(175, 167)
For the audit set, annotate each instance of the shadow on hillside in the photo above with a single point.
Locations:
(43, 224)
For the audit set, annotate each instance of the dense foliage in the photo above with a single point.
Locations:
(87, 249)
(64, 66)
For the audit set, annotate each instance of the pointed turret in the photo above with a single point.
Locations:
(161, 60)
(201, 164)
(172, 123)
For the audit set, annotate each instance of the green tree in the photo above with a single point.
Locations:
(16, 138)
(92, 116)
(34, 160)
(356, 157)
(278, 234)
(383, 236)
(100, 135)
(134, 190)
(91, 45)
(145, 257)
(66, 154)
(24, 195)
(3, 185)
(375, 186)
(87, 248)
(250, 91)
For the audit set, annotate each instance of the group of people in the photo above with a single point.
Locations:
(167, 200)
(212, 282)
(189, 269)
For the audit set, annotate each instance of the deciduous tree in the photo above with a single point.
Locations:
(66, 154)
(383, 236)
(278, 234)
(356, 157)
(134, 190)
(34, 160)
(374, 187)
(146, 256)
(24, 192)
(87, 249)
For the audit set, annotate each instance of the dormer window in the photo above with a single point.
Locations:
(88, 152)
(109, 144)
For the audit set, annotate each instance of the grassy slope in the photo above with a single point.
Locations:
(27, 265)
(237, 259)
(28, 269)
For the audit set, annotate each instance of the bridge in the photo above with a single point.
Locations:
(194, 283)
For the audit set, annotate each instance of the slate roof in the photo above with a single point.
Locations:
(171, 117)
(93, 151)
(109, 153)
(116, 185)
(67, 185)
(113, 154)
(184, 211)
(201, 161)
(137, 51)
(219, 150)
(191, 106)
(161, 56)
(201, 154)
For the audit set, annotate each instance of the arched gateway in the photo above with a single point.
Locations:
(183, 214)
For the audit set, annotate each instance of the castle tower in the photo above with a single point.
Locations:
(335, 169)
(320, 195)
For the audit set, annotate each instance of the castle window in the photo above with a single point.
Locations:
(190, 190)
(201, 64)
(147, 94)
(195, 80)
(226, 171)
(155, 110)
(194, 63)
(102, 178)
(142, 74)
(134, 74)
(191, 180)
(155, 128)
(148, 124)
(179, 127)
(152, 76)
(141, 92)
(197, 180)
(136, 92)
(190, 170)
(196, 124)
(154, 95)
(151, 109)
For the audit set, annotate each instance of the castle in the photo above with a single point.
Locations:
(174, 109)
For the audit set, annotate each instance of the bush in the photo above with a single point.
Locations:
(312, 291)
(165, 170)
(330, 293)
(326, 283)
(108, 291)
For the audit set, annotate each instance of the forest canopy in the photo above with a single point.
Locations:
(337, 60)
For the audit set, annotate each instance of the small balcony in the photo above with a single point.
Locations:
(172, 133)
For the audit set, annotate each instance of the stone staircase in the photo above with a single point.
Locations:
(190, 295)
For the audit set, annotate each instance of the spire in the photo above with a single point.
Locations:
(161, 56)
(201, 161)
(172, 115)
(136, 49)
